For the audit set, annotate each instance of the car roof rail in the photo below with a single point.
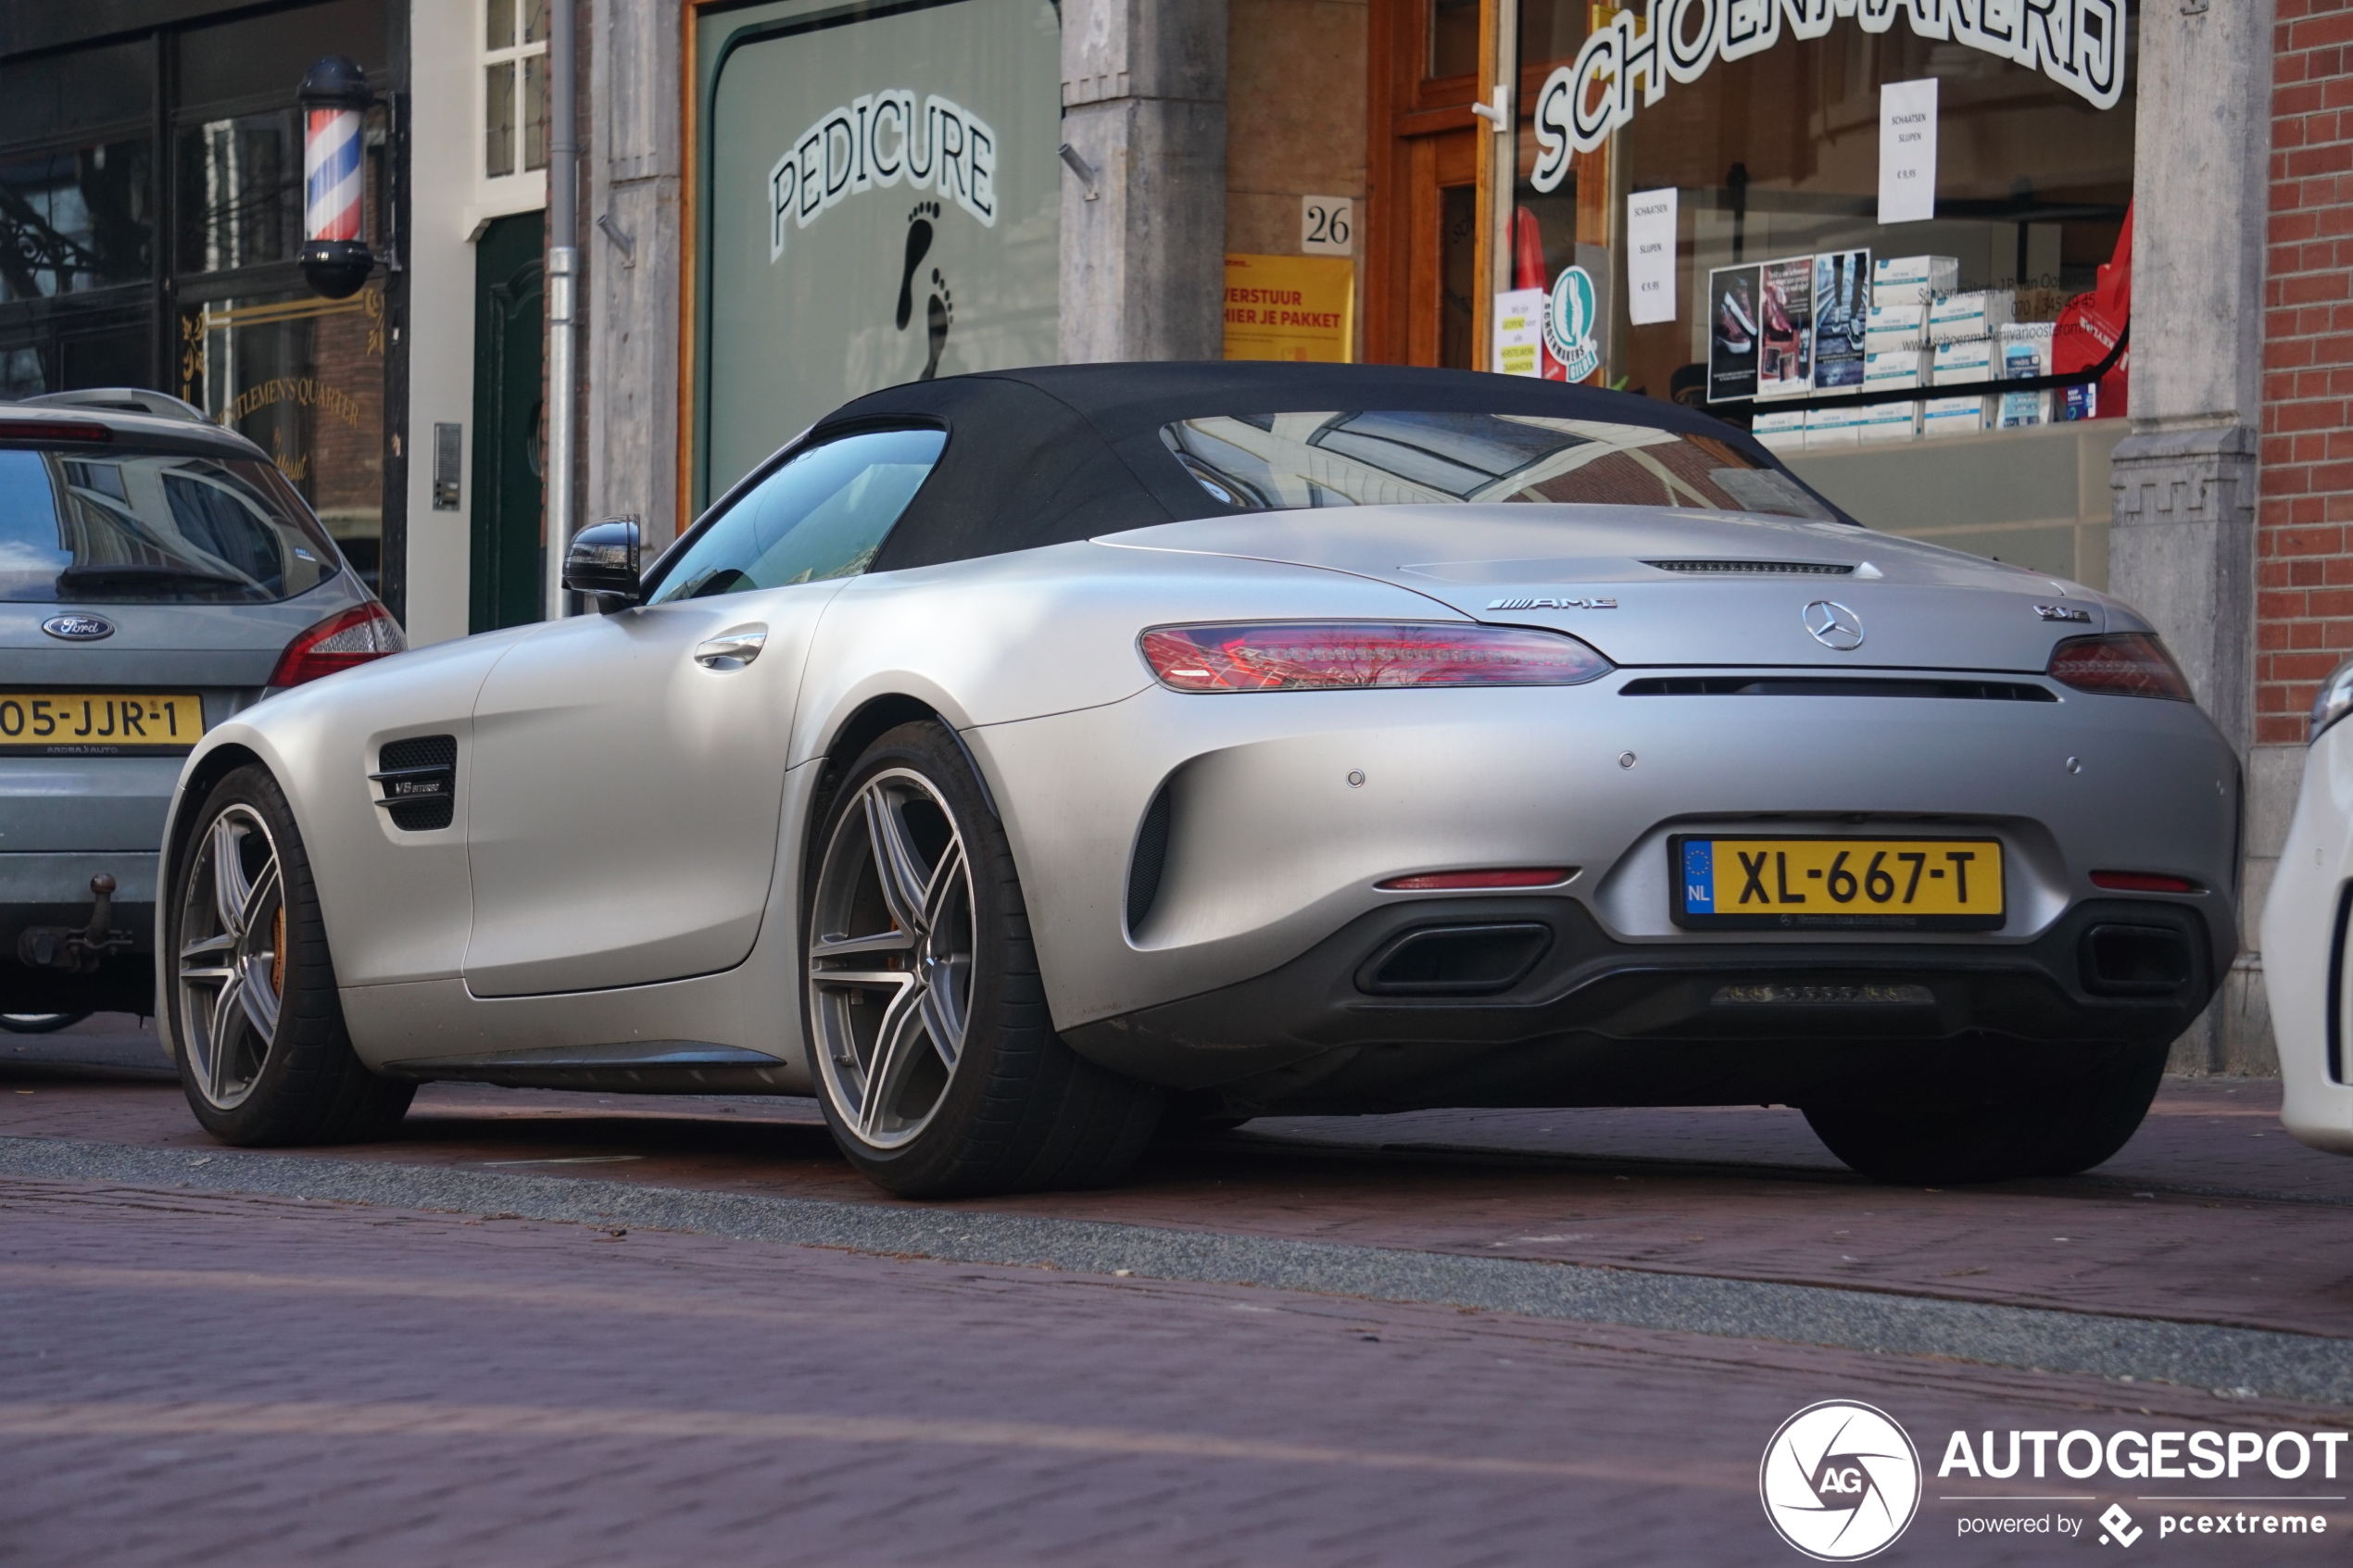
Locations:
(122, 400)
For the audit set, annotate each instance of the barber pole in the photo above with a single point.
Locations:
(330, 179)
(335, 255)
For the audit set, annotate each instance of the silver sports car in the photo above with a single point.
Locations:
(1016, 761)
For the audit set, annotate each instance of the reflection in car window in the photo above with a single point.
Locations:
(823, 514)
(136, 527)
(1387, 458)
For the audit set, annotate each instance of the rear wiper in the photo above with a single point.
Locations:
(129, 574)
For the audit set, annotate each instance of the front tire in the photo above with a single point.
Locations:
(934, 1059)
(250, 987)
(2060, 1129)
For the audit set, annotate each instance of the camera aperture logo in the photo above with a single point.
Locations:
(1841, 1481)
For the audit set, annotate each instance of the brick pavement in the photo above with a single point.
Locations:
(1757, 1200)
(193, 1378)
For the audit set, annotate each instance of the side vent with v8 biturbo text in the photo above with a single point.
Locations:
(419, 777)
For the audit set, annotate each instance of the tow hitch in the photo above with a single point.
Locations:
(62, 947)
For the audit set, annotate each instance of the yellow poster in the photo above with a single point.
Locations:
(1290, 308)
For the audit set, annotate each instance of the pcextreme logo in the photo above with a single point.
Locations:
(1841, 1481)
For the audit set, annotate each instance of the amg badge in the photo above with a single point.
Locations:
(1554, 604)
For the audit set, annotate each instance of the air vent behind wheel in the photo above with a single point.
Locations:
(1755, 568)
(1144, 867)
(418, 778)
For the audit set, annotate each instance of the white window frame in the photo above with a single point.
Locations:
(524, 190)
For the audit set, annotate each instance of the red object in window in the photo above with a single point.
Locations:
(2121, 664)
(356, 636)
(2143, 882)
(1536, 876)
(1528, 250)
(2094, 323)
(1528, 272)
(1339, 655)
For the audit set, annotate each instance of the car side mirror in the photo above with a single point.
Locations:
(602, 563)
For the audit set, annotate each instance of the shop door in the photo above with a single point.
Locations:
(508, 352)
(1442, 198)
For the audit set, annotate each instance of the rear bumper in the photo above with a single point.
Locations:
(1286, 812)
(1596, 1021)
(54, 890)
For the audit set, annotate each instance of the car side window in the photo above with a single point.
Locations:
(823, 514)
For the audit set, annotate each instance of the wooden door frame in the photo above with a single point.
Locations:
(1403, 110)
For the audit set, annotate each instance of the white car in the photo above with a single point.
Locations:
(2304, 931)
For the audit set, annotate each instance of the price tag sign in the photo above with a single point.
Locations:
(1650, 256)
(1907, 151)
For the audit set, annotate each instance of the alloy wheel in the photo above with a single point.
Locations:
(232, 955)
(890, 958)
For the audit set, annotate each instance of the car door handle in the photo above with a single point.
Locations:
(732, 650)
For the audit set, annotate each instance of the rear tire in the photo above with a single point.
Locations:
(933, 1055)
(2060, 1130)
(250, 998)
(39, 1023)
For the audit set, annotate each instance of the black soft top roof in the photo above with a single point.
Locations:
(1065, 452)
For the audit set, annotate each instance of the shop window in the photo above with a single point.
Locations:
(22, 374)
(515, 83)
(302, 378)
(240, 189)
(1775, 157)
(57, 97)
(257, 62)
(1453, 37)
(1548, 31)
(75, 219)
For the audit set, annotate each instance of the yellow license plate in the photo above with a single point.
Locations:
(1916, 883)
(98, 724)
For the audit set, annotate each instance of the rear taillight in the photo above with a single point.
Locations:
(2143, 882)
(1329, 656)
(339, 642)
(80, 431)
(2121, 664)
(1453, 881)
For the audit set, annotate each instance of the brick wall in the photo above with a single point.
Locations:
(2304, 565)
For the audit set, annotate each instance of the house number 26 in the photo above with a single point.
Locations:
(1328, 225)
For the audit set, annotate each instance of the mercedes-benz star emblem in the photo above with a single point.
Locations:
(1834, 625)
(79, 628)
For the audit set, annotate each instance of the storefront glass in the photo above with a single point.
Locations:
(1776, 156)
(879, 201)
(221, 316)
(303, 379)
(1766, 172)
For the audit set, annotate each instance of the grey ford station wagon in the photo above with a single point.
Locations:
(157, 575)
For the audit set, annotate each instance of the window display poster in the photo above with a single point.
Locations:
(1650, 256)
(1733, 332)
(1907, 151)
(1520, 332)
(1841, 305)
(1298, 307)
(1785, 329)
